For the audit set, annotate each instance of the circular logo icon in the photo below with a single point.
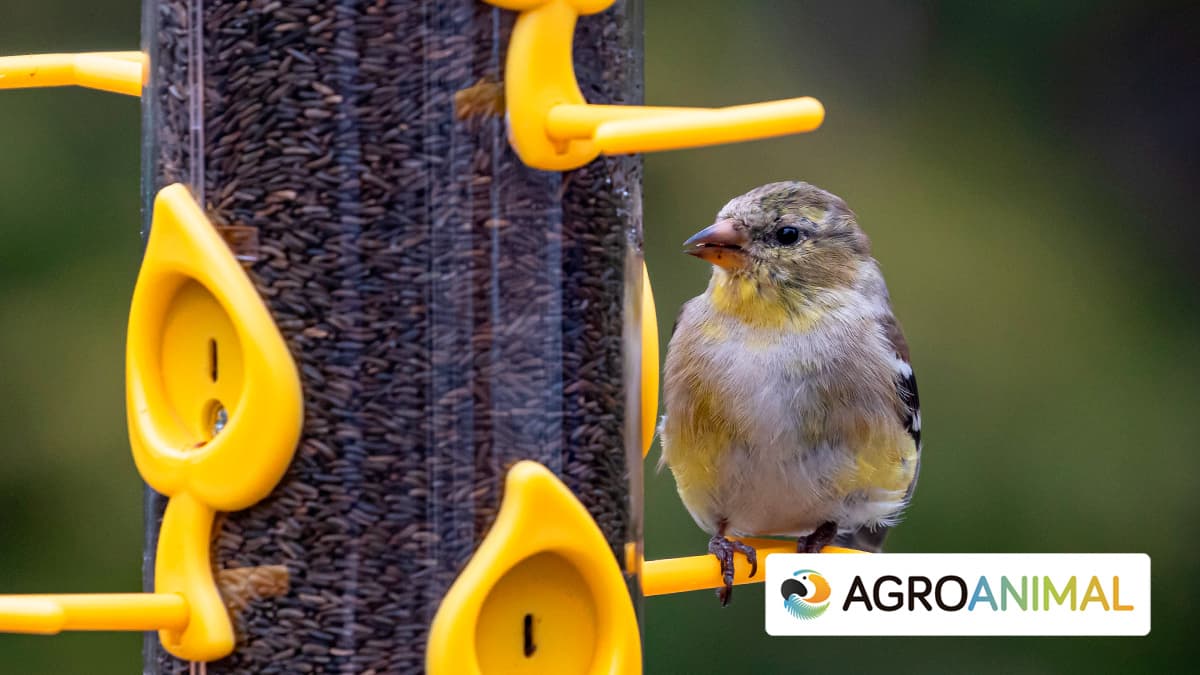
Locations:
(805, 594)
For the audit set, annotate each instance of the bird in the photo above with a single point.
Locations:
(790, 405)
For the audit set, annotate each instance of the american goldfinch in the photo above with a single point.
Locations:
(791, 407)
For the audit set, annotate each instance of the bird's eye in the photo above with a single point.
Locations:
(787, 235)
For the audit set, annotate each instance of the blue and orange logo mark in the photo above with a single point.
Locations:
(805, 594)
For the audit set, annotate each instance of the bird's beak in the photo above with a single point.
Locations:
(722, 243)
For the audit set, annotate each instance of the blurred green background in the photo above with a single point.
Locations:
(1027, 173)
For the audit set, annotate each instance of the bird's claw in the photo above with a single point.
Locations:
(819, 539)
(724, 549)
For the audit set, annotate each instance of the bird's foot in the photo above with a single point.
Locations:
(819, 539)
(724, 549)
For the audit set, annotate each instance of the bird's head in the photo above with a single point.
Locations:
(789, 236)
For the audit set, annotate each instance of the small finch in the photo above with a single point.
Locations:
(791, 407)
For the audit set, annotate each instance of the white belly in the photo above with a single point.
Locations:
(777, 493)
(793, 493)
(774, 480)
(790, 401)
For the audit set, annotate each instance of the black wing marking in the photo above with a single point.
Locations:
(906, 381)
(906, 387)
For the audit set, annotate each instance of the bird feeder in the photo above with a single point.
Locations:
(392, 357)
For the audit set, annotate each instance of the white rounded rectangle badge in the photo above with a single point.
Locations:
(958, 594)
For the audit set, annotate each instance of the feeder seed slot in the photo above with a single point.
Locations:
(530, 647)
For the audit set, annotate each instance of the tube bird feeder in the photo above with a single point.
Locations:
(451, 311)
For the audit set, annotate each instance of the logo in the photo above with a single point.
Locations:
(958, 594)
(805, 594)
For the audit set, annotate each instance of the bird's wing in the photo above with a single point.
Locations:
(865, 539)
(906, 384)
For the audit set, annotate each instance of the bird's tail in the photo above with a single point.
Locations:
(863, 539)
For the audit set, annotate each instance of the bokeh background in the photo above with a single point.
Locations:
(1027, 171)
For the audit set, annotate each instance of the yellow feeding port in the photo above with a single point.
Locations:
(552, 126)
(214, 398)
(537, 620)
(543, 593)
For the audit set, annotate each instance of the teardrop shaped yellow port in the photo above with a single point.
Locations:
(213, 396)
(542, 594)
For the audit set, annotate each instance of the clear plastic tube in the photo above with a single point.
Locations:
(451, 311)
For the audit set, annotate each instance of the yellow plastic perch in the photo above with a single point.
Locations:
(552, 127)
(698, 572)
(214, 408)
(117, 72)
(51, 614)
